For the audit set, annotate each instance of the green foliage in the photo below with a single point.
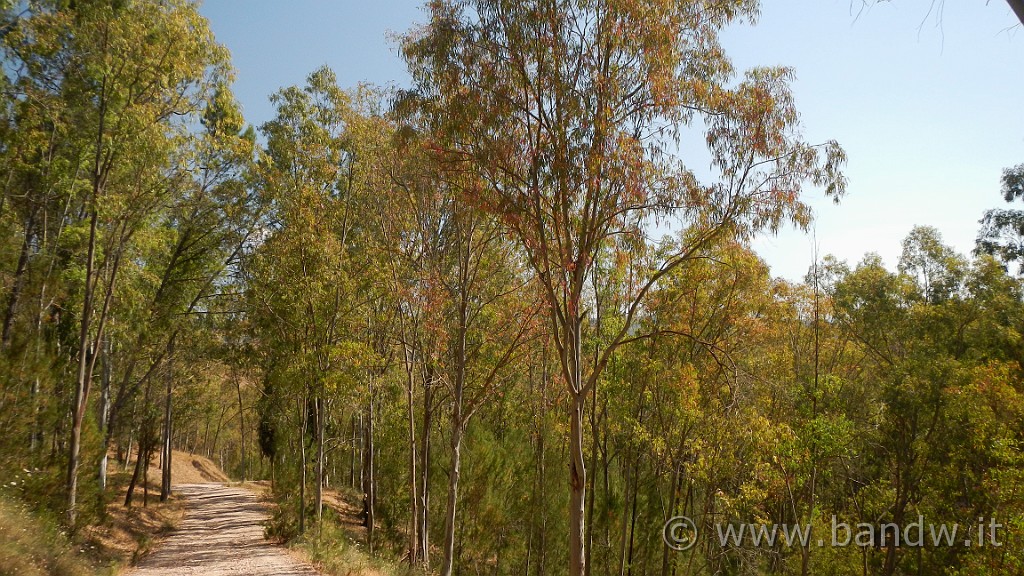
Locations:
(1002, 231)
(403, 308)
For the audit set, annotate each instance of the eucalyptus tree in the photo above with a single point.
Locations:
(119, 84)
(571, 112)
(308, 278)
(1002, 230)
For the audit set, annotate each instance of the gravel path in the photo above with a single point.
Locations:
(222, 535)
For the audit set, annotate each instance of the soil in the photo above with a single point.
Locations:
(221, 535)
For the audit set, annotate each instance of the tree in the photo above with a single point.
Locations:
(570, 111)
(309, 279)
(1002, 231)
(121, 81)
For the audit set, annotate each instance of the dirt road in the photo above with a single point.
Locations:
(222, 535)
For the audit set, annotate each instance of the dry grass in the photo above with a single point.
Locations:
(32, 546)
(193, 469)
(338, 547)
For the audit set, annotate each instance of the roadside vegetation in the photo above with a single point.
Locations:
(492, 322)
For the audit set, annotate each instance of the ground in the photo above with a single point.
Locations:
(221, 535)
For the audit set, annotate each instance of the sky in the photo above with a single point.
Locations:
(928, 101)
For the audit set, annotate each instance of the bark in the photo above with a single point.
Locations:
(19, 282)
(677, 477)
(84, 379)
(591, 482)
(354, 448)
(145, 473)
(142, 457)
(319, 405)
(104, 415)
(304, 415)
(458, 426)
(241, 427)
(135, 475)
(632, 519)
(577, 488)
(368, 480)
(453, 493)
(411, 417)
(165, 469)
(425, 471)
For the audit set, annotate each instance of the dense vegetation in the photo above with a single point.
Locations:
(497, 310)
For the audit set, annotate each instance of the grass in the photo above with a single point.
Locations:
(333, 551)
(337, 546)
(33, 542)
(30, 545)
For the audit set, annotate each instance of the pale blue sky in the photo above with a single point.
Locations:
(930, 111)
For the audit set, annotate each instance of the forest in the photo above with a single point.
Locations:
(498, 312)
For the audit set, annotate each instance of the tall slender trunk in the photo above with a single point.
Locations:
(539, 492)
(19, 281)
(453, 494)
(592, 482)
(414, 516)
(105, 414)
(142, 457)
(628, 472)
(458, 425)
(354, 449)
(241, 428)
(425, 472)
(320, 404)
(84, 379)
(577, 488)
(666, 552)
(138, 469)
(128, 452)
(572, 370)
(368, 480)
(165, 469)
(84, 376)
(632, 517)
(145, 471)
(304, 415)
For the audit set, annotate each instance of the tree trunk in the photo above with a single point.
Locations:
(84, 378)
(414, 515)
(666, 552)
(453, 493)
(591, 483)
(145, 471)
(142, 457)
(577, 488)
(320, 406)
(138, 469)
(304, 415)
(19, 281)
(458, 429)
(165, 469)
(105, 430)
(425, 471)
(241, 427)
(355, 450)
(367, 472)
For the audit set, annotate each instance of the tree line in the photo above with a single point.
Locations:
(500, 309)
